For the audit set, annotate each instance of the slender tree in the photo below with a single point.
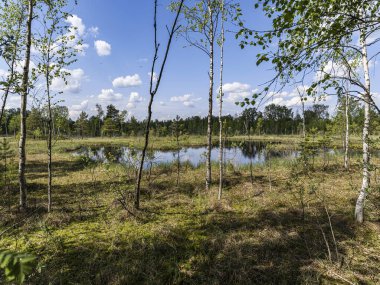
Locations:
(347, 129)
(302, 99)
(100, 115)
(57, 48)
(154, 85)
(359, 209)
(221, 105)
(24, 97)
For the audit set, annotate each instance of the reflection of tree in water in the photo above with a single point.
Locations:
(107, 153)
(113, 154)
(251, 149)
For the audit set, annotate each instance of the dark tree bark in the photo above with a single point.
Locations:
(153, 90)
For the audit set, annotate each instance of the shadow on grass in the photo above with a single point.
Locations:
(219, 248)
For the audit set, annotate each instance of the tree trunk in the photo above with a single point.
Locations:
(346, 141)
(210, 99)
(221, 109)
(24, 95)
(50, 135)
(141, 167)
(153, 91)
(303, 118)
(359, 209)
(178, 157)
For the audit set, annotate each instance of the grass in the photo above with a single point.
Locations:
(258, 234)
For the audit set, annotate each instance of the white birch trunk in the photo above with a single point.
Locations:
(221, 110)
(210, 99)
(359, 209)
(346, 141)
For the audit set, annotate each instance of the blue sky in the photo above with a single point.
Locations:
(118, 48)
(127, 27)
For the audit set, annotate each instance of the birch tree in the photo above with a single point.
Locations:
(312, 33)
(24, 96)
(200, 30)
(57, 49)
(221, 105)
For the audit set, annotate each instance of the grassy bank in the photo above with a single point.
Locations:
(167, 143)
(276, 228)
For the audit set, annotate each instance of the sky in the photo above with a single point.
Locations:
(116, 60)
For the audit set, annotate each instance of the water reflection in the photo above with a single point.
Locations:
(236, 153)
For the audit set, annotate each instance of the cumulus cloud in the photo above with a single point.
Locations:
(73, 82)
(235, 87)
(134, 98)
(292, 99)
(187, 100)
(109, 95)
(77, 26)
(75, 110)
(76, 32)
(237, 91)
(330, 68)
(127, 81)
(102, 48)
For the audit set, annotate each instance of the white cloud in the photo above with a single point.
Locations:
(237, 91)
(127, 81)
(20, 65)
(73, 82)
(131, 105)
(186, 100)
(77, 26)
(292, 99)
(235, 87)
(183, 98)
(75, 110)
(155, 77)
(134, 98)
(162, 103)
(81, 48)
(102, 48)
(93, 31)
(330, 68)
(109, 95)
(76, 31)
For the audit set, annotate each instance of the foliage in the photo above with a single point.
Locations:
(16, 266)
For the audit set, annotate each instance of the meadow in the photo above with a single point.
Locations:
(286, 224)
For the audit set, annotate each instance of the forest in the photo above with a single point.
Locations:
(228, 184)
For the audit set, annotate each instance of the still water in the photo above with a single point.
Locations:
(235, 153)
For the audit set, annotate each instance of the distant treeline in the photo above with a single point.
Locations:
(273, 120)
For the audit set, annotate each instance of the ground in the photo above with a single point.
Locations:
(288, 225)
